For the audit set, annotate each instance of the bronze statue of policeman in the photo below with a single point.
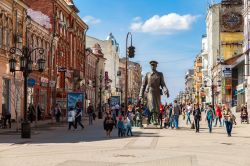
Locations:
(154, 85)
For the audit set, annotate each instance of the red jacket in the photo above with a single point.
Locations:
(161, 108)
(218, 112)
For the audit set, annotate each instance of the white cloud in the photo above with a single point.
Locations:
(91, 20)
(166, 24)
(137, 19)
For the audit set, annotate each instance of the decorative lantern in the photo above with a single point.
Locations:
(22, 63)
(30, 63)
(12, 63)
(41, 64)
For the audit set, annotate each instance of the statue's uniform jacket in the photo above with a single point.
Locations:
(152, 84)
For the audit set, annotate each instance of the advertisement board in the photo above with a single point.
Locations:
(75, 100)
(115, 100)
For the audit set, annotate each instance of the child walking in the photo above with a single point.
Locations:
(120, 126)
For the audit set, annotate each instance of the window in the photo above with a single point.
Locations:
(7, 39)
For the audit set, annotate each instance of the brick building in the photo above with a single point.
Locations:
(68, 56)
(12, 25)
(134, 79)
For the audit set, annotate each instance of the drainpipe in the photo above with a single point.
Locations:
(85, 58)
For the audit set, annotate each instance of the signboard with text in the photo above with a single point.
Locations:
(115, 100)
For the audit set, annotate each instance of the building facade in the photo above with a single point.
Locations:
(13, 16)
(246, 15)
(134, 79)
(67, 61)
(197, 79)
(189, 85)
(225, 40)
(111, 51)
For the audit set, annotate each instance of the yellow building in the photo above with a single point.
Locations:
(197, 79)
(231, 28)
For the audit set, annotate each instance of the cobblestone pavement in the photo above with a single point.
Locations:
(56, 146)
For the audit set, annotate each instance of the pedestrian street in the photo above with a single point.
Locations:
(58, 146)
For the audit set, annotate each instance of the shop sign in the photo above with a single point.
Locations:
(62, 69)
(44, 82)
(31, 82)
(227, 71)
(52, 84)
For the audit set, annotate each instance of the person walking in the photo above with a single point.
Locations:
(197, 117)
(31, 112)
(78, 118)
(108, 124)
(120, 126)
(218, 114)
(228, 117)
(161, 115)
(171, 116)
(58, 112)
(129, 127)
(210, 117)
(188, 113)
(6, 116)
(176, 114)
(90, 111)
(71, 118)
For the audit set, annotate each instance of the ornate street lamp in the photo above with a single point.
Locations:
(130, 53)
(12, 63)
(26, 66)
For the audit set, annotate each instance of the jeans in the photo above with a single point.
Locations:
(71, 124)
(120, 132)
(229, 126)
(197, 124)
(210, 123)
(171, 122)
(218, 118)
(160, 119)
(176, 121)
(188, 118)
(129, 130)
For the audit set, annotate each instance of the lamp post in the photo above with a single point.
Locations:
(26, 66)
(130, 53)
(100, 104)
(212, 89)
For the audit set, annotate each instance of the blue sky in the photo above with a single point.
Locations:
(168, 31)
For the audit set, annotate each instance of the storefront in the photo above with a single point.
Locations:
(6, 98)
(240, 93)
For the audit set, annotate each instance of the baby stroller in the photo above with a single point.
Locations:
(244, 117)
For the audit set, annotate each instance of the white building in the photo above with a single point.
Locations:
(213, 47)
(246, 15)
(205, 68)
(111, 51)
(213, 36)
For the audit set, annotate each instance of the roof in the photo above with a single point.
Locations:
(232, 60)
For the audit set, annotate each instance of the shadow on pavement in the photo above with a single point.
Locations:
(60, 134)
